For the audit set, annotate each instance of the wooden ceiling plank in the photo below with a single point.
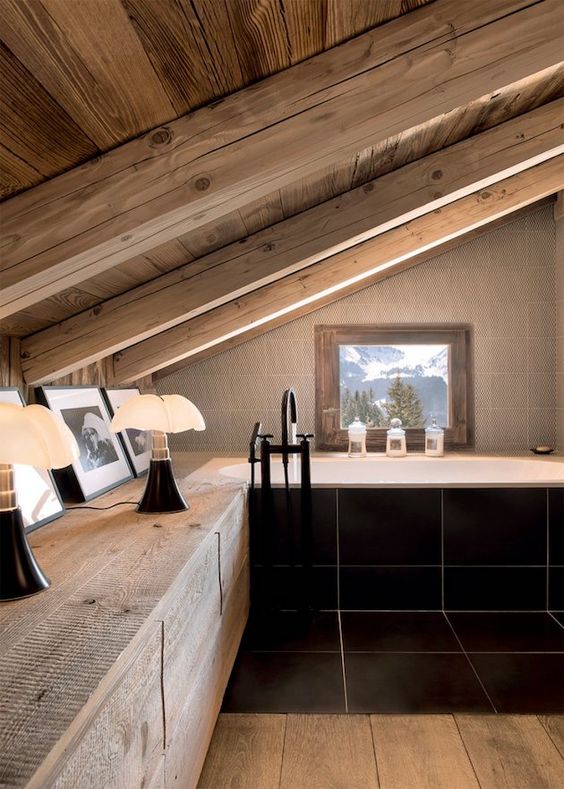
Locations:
(423, 257)
(15, 174)
(259, 28)
(87, 56)
(173, 38)
(389, 252)
(400, 196)
(163, 196)
(33, 126)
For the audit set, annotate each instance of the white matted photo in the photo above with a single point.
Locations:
(138, 443)
(37, 495)
(102, 463)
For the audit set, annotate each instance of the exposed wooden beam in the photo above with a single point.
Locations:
(293, 244)
(384, 253)
(423, 257)
(315, 114)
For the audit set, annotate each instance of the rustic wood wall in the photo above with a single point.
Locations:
(99, 373)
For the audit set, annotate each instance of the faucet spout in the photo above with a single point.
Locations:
(289, 406)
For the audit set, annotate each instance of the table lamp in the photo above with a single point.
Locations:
(31, 435)
(161, 414)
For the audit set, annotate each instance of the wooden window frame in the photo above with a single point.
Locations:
(329, 434)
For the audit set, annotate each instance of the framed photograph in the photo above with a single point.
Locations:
(102, 463)
(138, 443)
(38, 497)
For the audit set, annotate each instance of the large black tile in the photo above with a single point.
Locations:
(495, 588)
(556, 588)
(397, 631)
(495, 526)
(508, 632)
(556, 525)
(390, 526)
(281, 540)
(291, 588)
(520, 683)
(291, 631)
(390, 588)
(286, 682)
(412, 683)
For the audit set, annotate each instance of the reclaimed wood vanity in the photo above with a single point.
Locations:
(114, 676)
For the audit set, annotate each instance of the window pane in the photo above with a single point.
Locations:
(380, 382)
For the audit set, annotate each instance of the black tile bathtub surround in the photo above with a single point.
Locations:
(398, 631)
(389, 526)
(417, 549)
(507, 632)
(390, 588)
(495, 526)
(495, 588)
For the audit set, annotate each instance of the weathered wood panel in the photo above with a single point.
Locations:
(295, 243)
(389, 252)
(159, 198)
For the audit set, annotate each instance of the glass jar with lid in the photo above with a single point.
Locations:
(357, 439)
(396, 446)
(434, 440)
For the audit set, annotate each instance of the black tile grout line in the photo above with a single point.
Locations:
(547, 583)
(470, 662)
(338, 552)
(343, 668)
(558, 622)
(442, 552)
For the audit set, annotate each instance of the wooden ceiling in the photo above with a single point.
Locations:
(81, 78)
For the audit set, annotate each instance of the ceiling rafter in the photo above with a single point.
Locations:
(295, 243)
(85, 222)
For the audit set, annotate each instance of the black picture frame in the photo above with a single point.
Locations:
(139, 461)
(103, 463)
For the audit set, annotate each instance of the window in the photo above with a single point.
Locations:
(378, 373)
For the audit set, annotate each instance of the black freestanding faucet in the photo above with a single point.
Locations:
(266, 528)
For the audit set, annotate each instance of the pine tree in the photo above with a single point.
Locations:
(361, 405)
(403, 403)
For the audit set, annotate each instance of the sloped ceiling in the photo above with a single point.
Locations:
(80, 79)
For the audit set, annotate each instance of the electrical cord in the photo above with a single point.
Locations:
(88, 507)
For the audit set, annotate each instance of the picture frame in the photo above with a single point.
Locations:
(137, 443)
(102, 463)
(37, 494)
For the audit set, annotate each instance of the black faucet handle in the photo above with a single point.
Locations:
(305, 436)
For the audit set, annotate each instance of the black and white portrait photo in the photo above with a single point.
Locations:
(93, 436)
(102, 463)
(137, 443)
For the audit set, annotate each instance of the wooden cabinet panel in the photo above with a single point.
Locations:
(186, 750)
(117, 739)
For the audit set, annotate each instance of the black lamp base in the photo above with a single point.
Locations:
(20, 575)
(161, 491)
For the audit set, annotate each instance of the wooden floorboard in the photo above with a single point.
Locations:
(511, 752)
(554, 725)
(386, 751)
(328, 752)
(245, 752)
(423, 751)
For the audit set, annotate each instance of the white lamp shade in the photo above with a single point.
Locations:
(167, 413)
(34, 436)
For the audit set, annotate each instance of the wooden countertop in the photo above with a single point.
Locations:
(110, 572)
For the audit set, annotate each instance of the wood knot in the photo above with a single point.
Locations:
(368, 188)
(485, 195)
(437, 195)
(24, 355)
(202, 183)
(126, 237)
(157, 525)
(269, 246)
(90, 600)
(436, 175)
(97, 310)
(160, 137)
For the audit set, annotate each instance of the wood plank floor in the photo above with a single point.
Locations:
(385, 752)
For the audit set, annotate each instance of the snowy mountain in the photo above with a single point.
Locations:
(374, 367)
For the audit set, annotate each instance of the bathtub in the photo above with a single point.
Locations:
(459, 533)
(417, 471)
